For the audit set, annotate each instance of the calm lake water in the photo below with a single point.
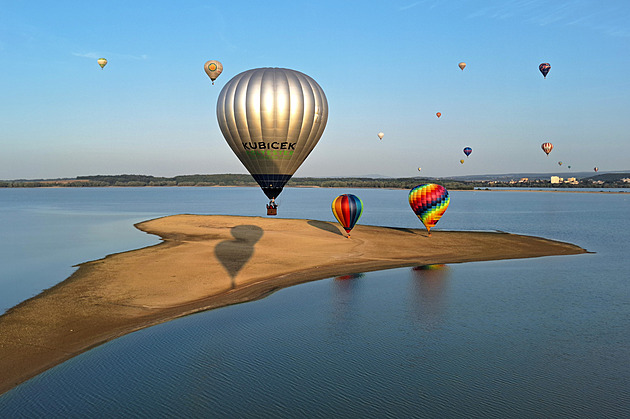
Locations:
(544, 337)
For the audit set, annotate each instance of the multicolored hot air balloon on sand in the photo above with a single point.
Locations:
(547, 147)
(380, 135)
(347, 209)
(102, 62)
(213, 69)
(467, 151)
(544, 69)
(462, 66)
(429, 202)
(272, 118)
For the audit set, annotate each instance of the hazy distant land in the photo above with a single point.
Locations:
(515, 180)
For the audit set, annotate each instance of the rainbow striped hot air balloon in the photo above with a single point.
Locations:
(429, 202)
(347, 209)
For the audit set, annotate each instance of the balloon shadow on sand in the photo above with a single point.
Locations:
(322, 225)
(234, 254)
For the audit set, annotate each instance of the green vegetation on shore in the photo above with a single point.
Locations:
(608, 180)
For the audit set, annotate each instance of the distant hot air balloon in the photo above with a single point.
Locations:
(347, 209)
(569, 167)
(429, 202)
(462, 161)
(544, 69)
(272, 118)
(467, 151)
(547, 147)
(462, 65)
(419, 169)
(596, 168)
(438, 114)
(213, 69)
(380, 135)
(102, 62)
(559, 163)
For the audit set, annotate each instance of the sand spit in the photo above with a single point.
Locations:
(206, 262)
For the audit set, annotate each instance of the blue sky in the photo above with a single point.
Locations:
(384, 66)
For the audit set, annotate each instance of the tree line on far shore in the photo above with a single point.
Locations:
(607, 181)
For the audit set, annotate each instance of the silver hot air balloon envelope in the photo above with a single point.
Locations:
(272, 118)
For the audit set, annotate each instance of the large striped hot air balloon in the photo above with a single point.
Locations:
(547, 147)
(347, 209)
(272, 118)
(429, 202)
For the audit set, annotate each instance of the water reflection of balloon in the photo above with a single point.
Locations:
(349, 276)
(429, 288)
(429, 202)
(462, 66)
(467, 151)
(102, 62)
(272, 118)
(380, 135)
(544, 69)
(213, 69)
(347, 209)
(547, 147)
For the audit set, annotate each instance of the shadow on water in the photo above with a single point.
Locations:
(322, 225)
(234, 254)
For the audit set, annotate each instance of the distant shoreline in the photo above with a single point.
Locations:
(471, 189)
(211, 261)
(534, 180)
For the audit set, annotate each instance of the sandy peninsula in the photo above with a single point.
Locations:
(206, 262)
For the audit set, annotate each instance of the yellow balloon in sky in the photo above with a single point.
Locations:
(213, 69)
(102, 62)
(461, 161)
